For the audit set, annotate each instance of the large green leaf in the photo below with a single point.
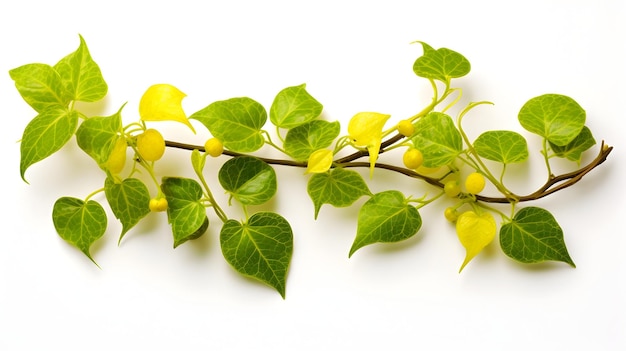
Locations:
(438, 139)
(185, 212)
(129, 201)
(441, 64)
(79, 223)
(574, 150)
(294, 106)
(261, 248)
(97, 136)
(339, 187)
(237, 122)
(557, 118)
(502, 146)
(534, 236)
(248, 179)
(45, 135)
(41, 86)
(301, 141)
(386, 218)
(81, 75)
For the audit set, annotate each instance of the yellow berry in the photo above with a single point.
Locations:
(117, 158)
(452, 188)
(214, 147)
(451, 214)
(475, 183)
(151, 145)
(412, 158)
(158, 204)
(406, 128)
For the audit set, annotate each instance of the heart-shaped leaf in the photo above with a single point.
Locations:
(79, 223)
(41, 86)
(129, 201)
(502, 146)
(339, 187)
(98, 135)
(163, 102)
(385, 218)
(294, 106)
(475, 231)
(574, 150)
(81, 75)
(558, 118)
(185, 212)
(248, 179)
(438, 139)
(261, 248)
(441, 64)
(236, 122)
(534, 236)
(301, 141)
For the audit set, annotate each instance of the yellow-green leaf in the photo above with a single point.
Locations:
(320, 161)
(163, 102)
(475, 232)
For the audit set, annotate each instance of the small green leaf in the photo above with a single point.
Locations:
(301, 141)
(79, 223)
(236, 122)
(260, 248)
(198, 159)
(45, 135)
(248, 179)
(294, 106)
(534, 236)
(502, 146)
(438, 139)
(557, 118)
(386, 218)
(441, 64)
(97, 136)
(129, 201)
(41, 86)
(81, 75)
(185, 212)
(339, 187)
(574, 150)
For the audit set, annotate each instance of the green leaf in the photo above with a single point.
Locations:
(198, 159)
(260, 248)
(248, 179)
(79, 223)
(129, 201)
(41, 86)
(97, 136)
(301, 141)
(574, 150)
(534, 236)
(185, 212)
(81, 75)
(441, 64)
(45, 135)
(438, 139)
(339, 187)
(502, 146)
(386, 218)
(557, 118)
(236, 122)
(294, 106)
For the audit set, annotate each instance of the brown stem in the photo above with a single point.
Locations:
(554, 183)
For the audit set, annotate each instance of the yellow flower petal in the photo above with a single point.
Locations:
(320, 161)
(163, 102)
(475, 232)
(366, 129)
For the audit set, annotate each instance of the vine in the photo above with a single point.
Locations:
(437, 151)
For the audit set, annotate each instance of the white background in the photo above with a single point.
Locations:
(353, 56)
